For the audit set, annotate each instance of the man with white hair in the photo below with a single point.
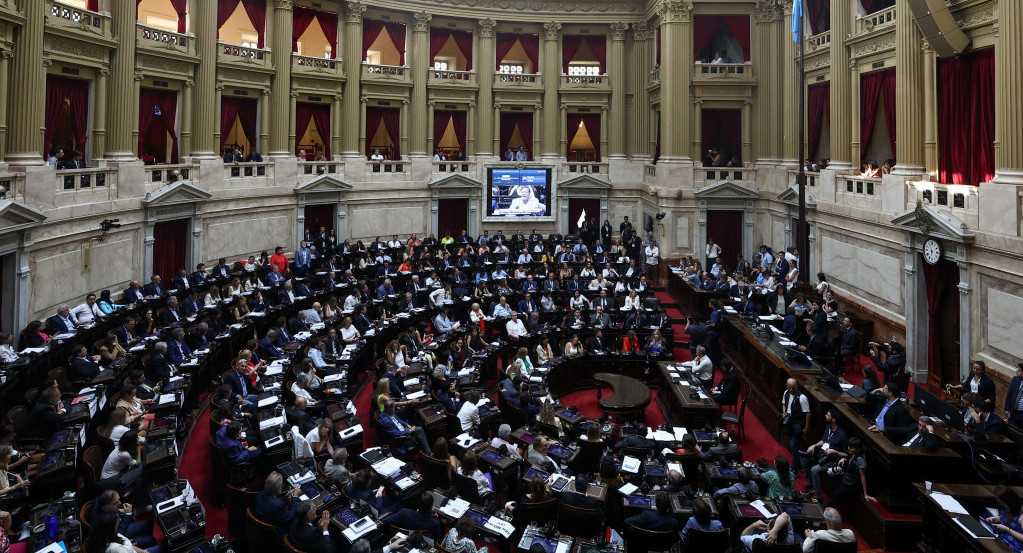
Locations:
(61, 322)
(503, 433)
(833, 533)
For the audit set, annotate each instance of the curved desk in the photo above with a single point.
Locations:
(629, 396)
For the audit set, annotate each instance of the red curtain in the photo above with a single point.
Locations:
(510, 120)
(888, 96)
(167, 100)
(458, 120)
(371, 29)
(704, 29)
(244, 109)
(438, 38)
(256, 10)
(319, 215)
(723, 125)
(180, 8)
(397, 33)
(504, 45)
(598, 45)
(301, 19)
(531, 44)
(328, 23)
(440, 124)
(819, 107)
(815, 9)
(303, 115)
(591, 121)
(318, 114)
(941, 279)
(73, 93)
(966, 129)
(170, 247)
(870, 95)
(725, 227)
(373, 118)
(871, 6)
(93, 5)
(569, 46)
(739, 26)
(452, 216)
(392, 125)
(463, 39)
(224, 10)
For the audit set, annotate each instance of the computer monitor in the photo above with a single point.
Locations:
(938, 408)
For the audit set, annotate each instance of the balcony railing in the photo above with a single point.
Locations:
(312, 65)
(877, 19)
(166, 174)
(817, 41)
(396, 166)
(580, 167)
(525, 80)
(163, 38)
(445, 167)
(651, 170)
(386, 72)
(243, 170)
(467, 78)
(727, 173)
(956, 196)
(585, 81)
(811, 178)
(77, 19)
(13, 186)
(83, 179)
(724, 70)
(232, 53)
(319, 167)
(655, 75)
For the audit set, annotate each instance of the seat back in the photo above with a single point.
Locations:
(436, 472)
(92, 458)
(259, 532)
(17, 416)
(637, 452)
(85, 513)
(540, 512)
(579, 522)
(289, 547)
(706, 541)
(467, 488)
(822, 546)
(103, 440)
(238, 502)
(641, 540)
(761, 546)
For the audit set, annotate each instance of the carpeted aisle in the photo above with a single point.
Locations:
(197, 469)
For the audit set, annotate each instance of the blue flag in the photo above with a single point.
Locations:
(797, 19)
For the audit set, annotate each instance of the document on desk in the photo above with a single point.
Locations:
(762, 507)
(628, 489)
(466, 441)
(949, 503)
(410, 382)
(500, 526)
(267, 401)
(333, 377)
(679, 432)
(388, 466)
(630, 464)
(273, 370)
(416, 395)
(663, 436)
(359, 528)
(676, 466)
(455, 508)
(271, 422)
(167, 398)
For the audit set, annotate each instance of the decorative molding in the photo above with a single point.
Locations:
(976, 17)
(77, 48)
(618, 30)
(501, 7)
(283, 4)
(421, 22)
(642, 31)
(354, 11)
(166, 65)
(486, 27)
(873, 46)
(244, 76)
(768, 11)
(550, 30)
(675, 11)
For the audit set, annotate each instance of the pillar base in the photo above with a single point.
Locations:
(24, 159)
(909, 170)
(837, 166)
(196, 156)
(120, 156)
(1008, 177)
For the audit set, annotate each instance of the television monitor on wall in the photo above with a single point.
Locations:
(518, 193)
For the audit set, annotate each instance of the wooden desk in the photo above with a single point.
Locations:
(680, 408)
(941, 533)
(629, 396)
(693, 301)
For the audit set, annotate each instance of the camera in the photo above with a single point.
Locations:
(107, 224)
(835, 471)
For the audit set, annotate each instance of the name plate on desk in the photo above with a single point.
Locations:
(500, 526)
(359, 528)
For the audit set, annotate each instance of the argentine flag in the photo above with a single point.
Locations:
(797, 19)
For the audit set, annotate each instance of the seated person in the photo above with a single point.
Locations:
(924, 435)
(637, 439)
(983, 422)
(273, 505)
(421, 519)
(854, 475)
(461, 537)
(336, 467)
(470, 468)
(578, 498)
(723, 446)
(361, 489)
(138, 531)
(227, 439)
(743, 486)
(778, 532)
(832, 533)
(659, 520)
(501, 440)
(397, 428)
(309, 531)
(674, 482)
(701, 519)
(727, 390)
(83, 365)
(780, 480)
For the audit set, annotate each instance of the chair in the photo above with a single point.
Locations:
(93, 459)
(641, 540)
(704, 541)
(735, 419)
(690, 465)
(30, 395)
(436, 472)
(84, 512)
(103, 440)
(467, 488)
(539, 512)
(239, 499)
(579, 522)
(761, 546)
(822, 546)
(262, 533)
(289, 547)
(17, 415)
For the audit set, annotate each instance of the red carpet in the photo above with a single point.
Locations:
(197, 469)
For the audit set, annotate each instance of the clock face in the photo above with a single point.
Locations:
(932, 251)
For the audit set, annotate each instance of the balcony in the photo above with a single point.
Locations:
(453, 78)
(78, 23)
(734, 174)
(655, 75)
(84, 186)
(161, 42)
(252, 174)
(818, 41)
(811, 178)
(584, 167)
(243, 56)
(955, 197)
(386, 74)
(441, 168)
(317, 168)
(157, 176)
(518, 81)
(585, 83)
(723, 73)
(857, 191)
(876, 20)
(390, 166)
(309, 66)
(12, 186)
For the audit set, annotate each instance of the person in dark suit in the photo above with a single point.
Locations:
(527, 304)
(181, 281)
(984, 423)
(198, 278)
(61, 322)
(309, 531)
(850, 345)
(299, 324)
(242, 392)
(283, 336)
(816, 346)
(420, 519)
(221, 271)
(890, 361)
(157, 366)
(298, 415)
(269, 344)
(660, 520)
(727, 391)
(171, 314)
(397, 428)
(638, 440)
(924, 436)
(273, 506)
(191, 304)
(196, 339)
(133, 294)
(978, 382)
(82, 365)
(126, 333)
(46, 416)
(1014, 398)
(723, 446)
(597, 342)
(227, 440)
(891, 413)
(155, 288)
(578, 498)
(448, 397)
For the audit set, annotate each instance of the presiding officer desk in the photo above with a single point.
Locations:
(942, 532)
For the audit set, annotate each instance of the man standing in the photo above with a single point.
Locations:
(795, 417)
(713, 252)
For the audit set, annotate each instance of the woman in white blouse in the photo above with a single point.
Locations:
(476, 314)
(349, 334)
(7, 353)
(470, 468)
(125, 457)
(579, 301)
(212, 296)
(792, 277)
(632, 302)
(543, 351)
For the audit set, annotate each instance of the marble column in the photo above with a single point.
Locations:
(264, 122)
(767, 142)
(335, 126)
(642, 59)
(550, 62)
(605, 125)
(909, 94)
(484, 64)
(292, 131)
(792, 151)
(495, 137)
(470, 124)
(930, 110)
(430, 131)
(854, 112)
(676, 78)
(5, 81)
(121, 84)
(421, 62)
(185, 119)
(1008, 100)
(747, 130)
(205, 97)
(352, 131)
(98, 140)
(28, 97)
(616, 69)
(841, 87)
(218, 95)
(281, 128)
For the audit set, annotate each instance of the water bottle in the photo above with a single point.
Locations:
(51, 529)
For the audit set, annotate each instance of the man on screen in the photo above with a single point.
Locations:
(526, 203)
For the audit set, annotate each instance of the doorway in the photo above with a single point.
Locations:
(725, 227)
(577, 208)
(320, 215)
(171, 243)
(452, 216)
(943, 343)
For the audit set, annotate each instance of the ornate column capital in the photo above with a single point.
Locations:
(294, 95)
(768, 11)
(353, 11)
(550, 30)
(265, 92)
(283, 4)
(618, 30)
(486, 27)
(103, 71)
(642, 31)
(190, 84)
(421, 22)
(219, 88)
(675, 11)
(7, 53)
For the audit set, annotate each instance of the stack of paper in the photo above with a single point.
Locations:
(455, 508)
(630, 464)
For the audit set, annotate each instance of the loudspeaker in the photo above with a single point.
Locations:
(939, 27)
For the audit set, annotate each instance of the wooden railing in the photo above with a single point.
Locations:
(877, 19)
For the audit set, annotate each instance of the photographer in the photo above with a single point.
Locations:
(853, 470)
(715, 157)
(824, 455)
(890, 359)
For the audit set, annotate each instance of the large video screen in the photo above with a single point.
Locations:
(519, 193)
